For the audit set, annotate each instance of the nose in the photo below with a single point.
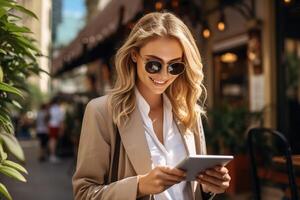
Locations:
(164, 72)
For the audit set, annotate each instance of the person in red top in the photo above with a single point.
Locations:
(55, 127)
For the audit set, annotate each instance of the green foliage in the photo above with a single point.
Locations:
(228, 127)
(4, 191)
(293, 68)
(18, 60)
(11, 144)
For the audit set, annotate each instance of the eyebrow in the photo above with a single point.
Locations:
(158, 58)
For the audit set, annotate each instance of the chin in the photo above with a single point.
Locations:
(156, 90)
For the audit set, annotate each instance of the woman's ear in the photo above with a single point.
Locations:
(133, 56)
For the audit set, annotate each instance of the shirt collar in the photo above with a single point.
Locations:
(144, 107)
(142, 104)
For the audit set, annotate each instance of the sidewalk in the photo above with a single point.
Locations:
(46, 181)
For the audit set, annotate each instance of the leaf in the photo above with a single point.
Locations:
(4, 191)
(2, 51)
(43, 71)
(1, 74)
(17, 104)
(7, 128)
(3, 155)
(7, 3)
(13, 145)
(6, 123)
(15, 16)
(11, 172)
(26, 11)
(15, 28)
(2, 12)
(7, 88)
(5, 118)
(27, 43)
(14, 165)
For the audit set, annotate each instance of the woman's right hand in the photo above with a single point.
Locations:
(158, 180)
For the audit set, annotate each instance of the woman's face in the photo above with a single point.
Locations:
(165, 50)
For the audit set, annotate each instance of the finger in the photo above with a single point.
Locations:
(215, 181)
(174, 171)
(217, 174)
(169, 183)
(212, 187)
(226, 177)
(170, 177)
(214, 173)
(221, 169)
(165, 181)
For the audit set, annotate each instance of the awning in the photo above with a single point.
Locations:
(97, 35)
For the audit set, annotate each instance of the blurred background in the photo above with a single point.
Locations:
(251, 55)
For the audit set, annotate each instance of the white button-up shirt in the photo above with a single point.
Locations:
(169, 154)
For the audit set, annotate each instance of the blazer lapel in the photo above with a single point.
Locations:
(188, 138)
(134, 140)
(190, 145)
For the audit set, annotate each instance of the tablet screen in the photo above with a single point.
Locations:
(194, 164)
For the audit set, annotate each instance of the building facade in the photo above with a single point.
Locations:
(41, 29)
(242, 44)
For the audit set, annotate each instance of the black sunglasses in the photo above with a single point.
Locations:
(155, 66)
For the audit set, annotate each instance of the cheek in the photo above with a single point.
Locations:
(172, 80)
(141, 71)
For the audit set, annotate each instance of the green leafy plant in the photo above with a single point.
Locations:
(226, 132)
(18, 60)
(293, 70)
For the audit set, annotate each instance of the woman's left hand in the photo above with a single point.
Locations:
(215, 180)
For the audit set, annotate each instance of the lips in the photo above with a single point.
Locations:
(158, 82)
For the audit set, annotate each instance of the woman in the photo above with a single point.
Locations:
(153, 107)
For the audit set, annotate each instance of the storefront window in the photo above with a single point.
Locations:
(230, 77)
(292, 66)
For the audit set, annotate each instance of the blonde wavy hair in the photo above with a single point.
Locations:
(187, 88)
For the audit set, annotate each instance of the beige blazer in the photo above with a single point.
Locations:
(97, 143)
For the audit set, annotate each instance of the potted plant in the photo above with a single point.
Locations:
(18, 60)
(226, 134)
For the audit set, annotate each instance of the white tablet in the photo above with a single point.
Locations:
(194, 164)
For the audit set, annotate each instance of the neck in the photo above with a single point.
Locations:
(154, 100)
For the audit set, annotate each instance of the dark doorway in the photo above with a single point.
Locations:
(288, 70)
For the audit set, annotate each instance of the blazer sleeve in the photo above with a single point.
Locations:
(93, 162)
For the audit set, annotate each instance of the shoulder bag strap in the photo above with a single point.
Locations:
(115, 164)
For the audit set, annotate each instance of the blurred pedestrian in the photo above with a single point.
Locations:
(153, 108)
(42, 131)
(56, 119)
(24, 125)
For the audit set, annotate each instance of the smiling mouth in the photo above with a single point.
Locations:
(158, 82)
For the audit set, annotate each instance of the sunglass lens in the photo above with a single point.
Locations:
(153, 67)
(176, 68)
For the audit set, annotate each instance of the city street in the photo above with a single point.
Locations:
(226, 74)
(46, 181)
